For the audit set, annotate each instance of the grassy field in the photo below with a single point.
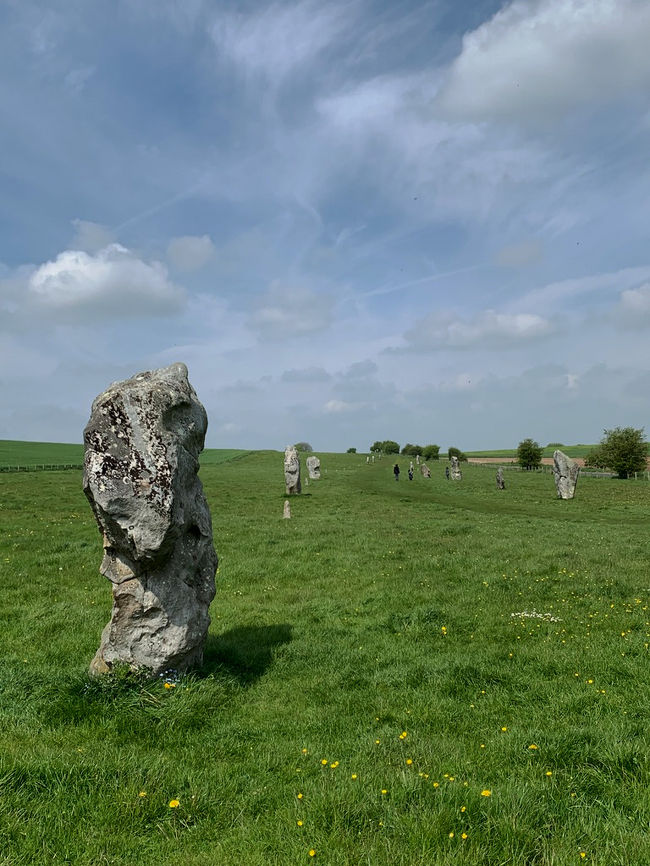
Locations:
(420, 672)
(16, 453)
(569, 450)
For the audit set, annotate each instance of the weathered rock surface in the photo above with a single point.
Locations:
(142, 444)
(286, 514)
(313, 467)
(456, 474)
(566, 473)
(501, 484)
(424, 469)
(291, 470)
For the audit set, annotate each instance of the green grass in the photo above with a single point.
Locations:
(379, 608)
(569, 450)
(15, 453)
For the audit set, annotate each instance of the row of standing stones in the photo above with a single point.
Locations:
(141, 462)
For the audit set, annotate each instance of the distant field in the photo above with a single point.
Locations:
(403, 674)
(16, 453)
(569, 450)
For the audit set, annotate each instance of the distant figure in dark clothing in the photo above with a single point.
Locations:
(447, 473)
(410, 474)
(396, 472)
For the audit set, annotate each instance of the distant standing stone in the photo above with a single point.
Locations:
(313, 467)
(456, 474)
(417, 459)
(566, 473)
(291, 470)
(424, 469)
(142, 445)
(287, 510)
(501, 484)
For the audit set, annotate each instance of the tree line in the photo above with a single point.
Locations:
(427, 452)
(622, 450)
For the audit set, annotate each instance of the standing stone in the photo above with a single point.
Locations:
(142, 444)
(417, 459)
(501, 484)
(367, 459)
(313, 467)
(566, 473)
(291, 470)
(411, 466)
(373, 458)
(456, 474)
(287, 510)
(424, 469)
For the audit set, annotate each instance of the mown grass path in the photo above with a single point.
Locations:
(367, 693)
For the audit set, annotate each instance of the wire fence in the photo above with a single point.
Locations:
(42, 467)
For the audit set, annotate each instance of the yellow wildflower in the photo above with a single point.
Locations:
(173, 804)
(486, 793)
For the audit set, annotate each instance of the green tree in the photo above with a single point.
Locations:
(412, 450)
(623, 450)
(389, 446)
(529, 454)
(431, 452)
(351, 451)
(456, 452)
(303, 446)
(375, 448)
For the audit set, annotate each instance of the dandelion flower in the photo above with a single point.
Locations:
(549, 772)
(354, 775)
(304, 751)
(142, 794)
(436, 784)
(409, 761)
(504, 729)
(463, 808)
(377, 742)
(312, 853)
(173, 804)
(463, 836)
(334, 765)
(168, 685)
(583, 854)
(451, 835)
(403, 735)
(384, 791)
(299, 823)
(533, 746)
(444, 629)
(324, 762)
(486, 793)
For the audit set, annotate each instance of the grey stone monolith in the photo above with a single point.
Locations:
(286, 514)
(501, 484)
(313, 467)
(291, 470)
(142, 445)
(424, 469)
(456, 474)
(566, 473)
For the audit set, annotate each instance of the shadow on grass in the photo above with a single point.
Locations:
(246, 652)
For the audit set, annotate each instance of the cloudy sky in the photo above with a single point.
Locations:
(357, 220)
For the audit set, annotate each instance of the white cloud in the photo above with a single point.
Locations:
(634, 307)
(557, 294)
(114, 282)
(190, 253)
(488, 329)
(280, 37)
(285, 312)
(537, 59)
(337, 406)
(307, 375)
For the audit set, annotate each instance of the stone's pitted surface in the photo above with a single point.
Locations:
(142, 444)
(501, 484)
(313, 466)
(456, 474)
(566, 473)
(291, 470)
(424, 469)
(286, 514)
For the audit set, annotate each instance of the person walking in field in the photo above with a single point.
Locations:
(396, 472)
(447, 473)
(411, 473)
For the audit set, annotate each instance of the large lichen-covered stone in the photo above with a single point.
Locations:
(313, 467)
(501, 484)
(456, 474)
(292, 470)
(142, 444)
(566, 473)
